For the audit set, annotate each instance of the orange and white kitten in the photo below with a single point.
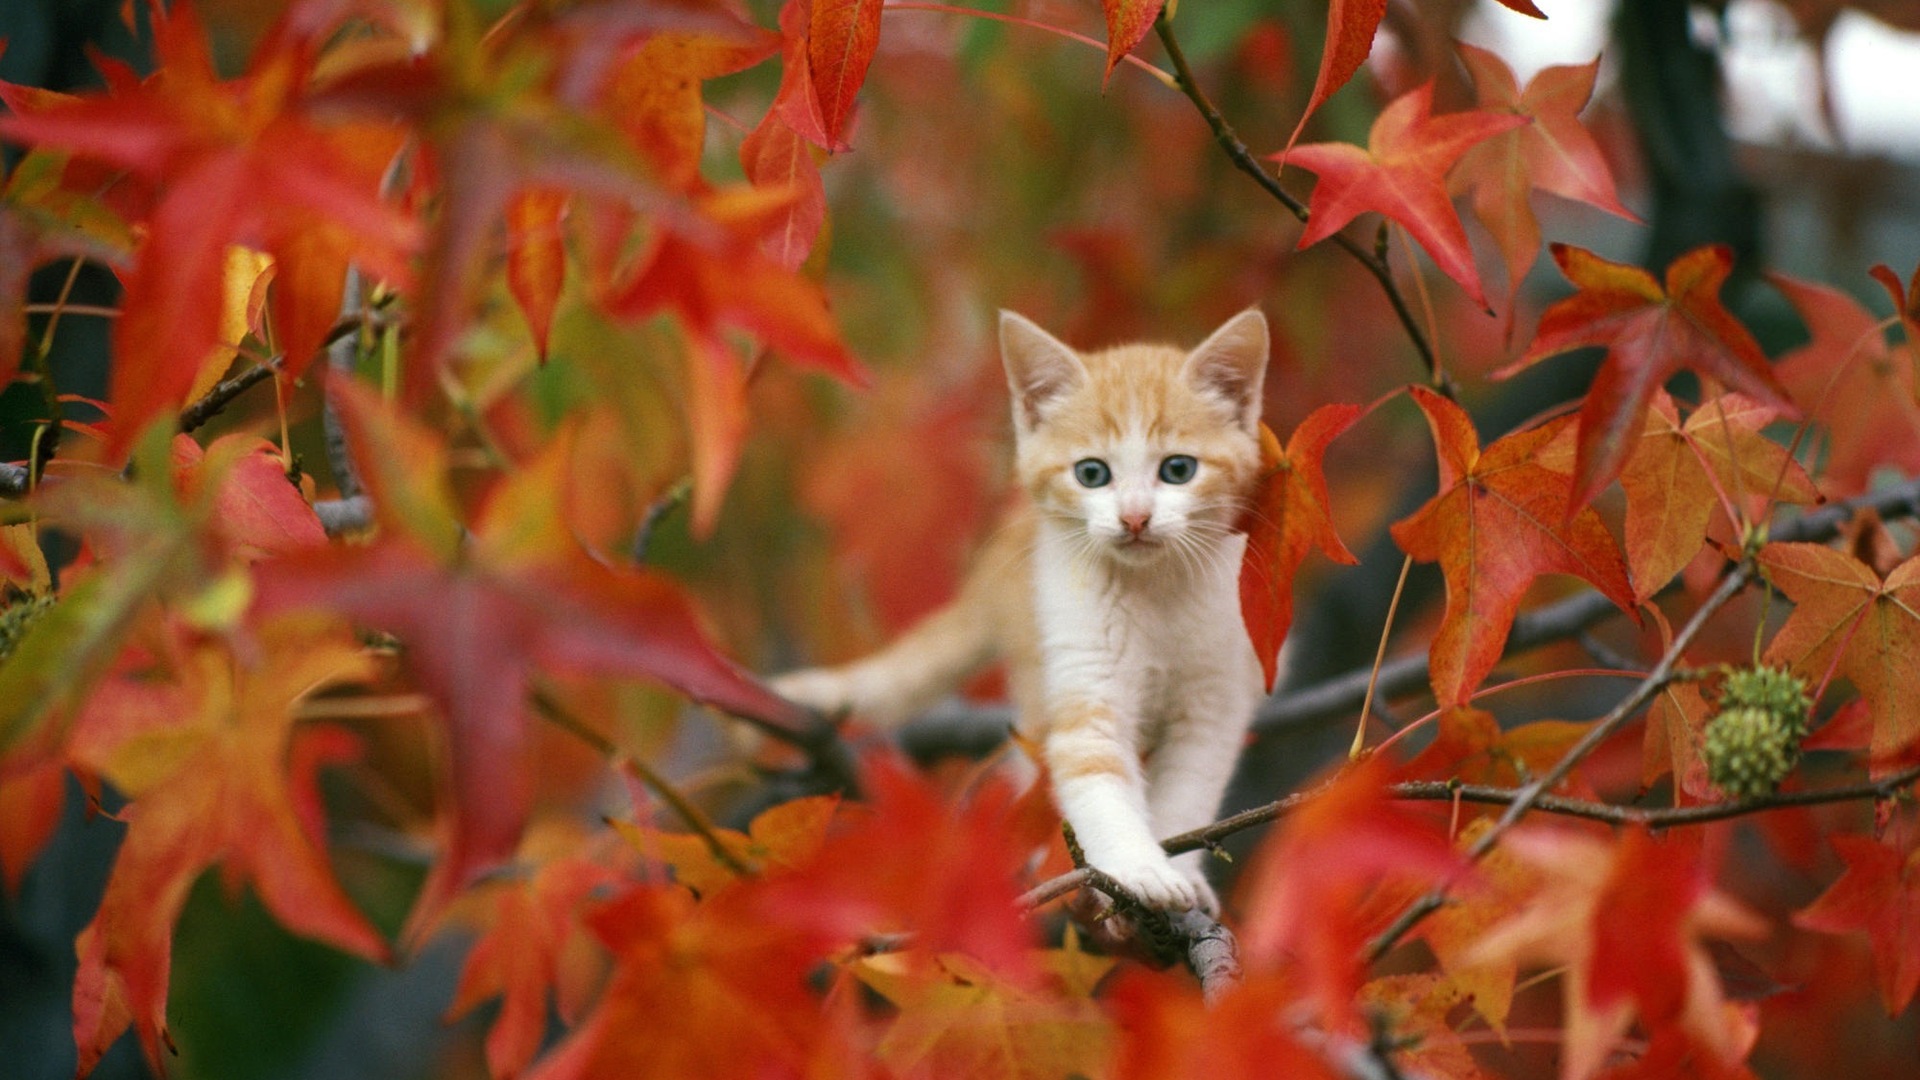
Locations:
(1111, 592)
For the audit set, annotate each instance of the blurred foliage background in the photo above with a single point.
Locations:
(989, 169)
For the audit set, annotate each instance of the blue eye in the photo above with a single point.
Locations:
(1178, 469)
(1092, 472)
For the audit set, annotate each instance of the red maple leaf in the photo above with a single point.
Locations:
(1627, 920)
(1651, 333)
(242, 161)
(1857, 386)
(1305, 896)
(1879, 895)
(1402, 174)
(1167, 1032)
(1289, 515)
(480, 620)
(1552, 152)
(1502, 518)
(1847, 620)
(909, 859)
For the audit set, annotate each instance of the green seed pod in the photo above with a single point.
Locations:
(1774, 690)
(1749, 750)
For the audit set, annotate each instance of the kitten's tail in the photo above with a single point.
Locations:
(916, 670)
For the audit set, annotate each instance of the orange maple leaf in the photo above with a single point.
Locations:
(1288, 515)
(242, 161)
(1501, 519)
(1878, 895)
(535, 946)
(711, 286)
(1402, 174)
(1628, 920)
(1848, 620)
(1652, 332)
(733, 982)
(1678, 473)
(654, 95)
(218, 774)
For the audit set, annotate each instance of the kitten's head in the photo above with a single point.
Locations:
(1148, 449)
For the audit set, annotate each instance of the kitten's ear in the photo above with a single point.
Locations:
(1039, 368)
(1232, 365)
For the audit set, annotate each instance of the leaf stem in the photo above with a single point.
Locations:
(1379, 657)
(1162, 77)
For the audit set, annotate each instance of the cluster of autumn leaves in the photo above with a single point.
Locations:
(211, 650)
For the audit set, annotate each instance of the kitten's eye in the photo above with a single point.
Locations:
(1178, 469)
(1092, 472)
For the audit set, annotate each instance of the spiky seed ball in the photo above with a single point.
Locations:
(1776, 690)
(15, 620)
(1749, 750)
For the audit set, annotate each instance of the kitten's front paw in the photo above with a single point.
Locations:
(1189, 864)
(1157, 883)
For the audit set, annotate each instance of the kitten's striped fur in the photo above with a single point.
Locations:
(1116, 605)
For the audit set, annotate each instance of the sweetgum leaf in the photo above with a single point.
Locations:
(1854, 384)
(1289, 514)
(1552, 152)
(206, 757)
(1878, 895)
(1402, 174)
(1652, 332)
(241, 161)
(1501, 519)
(1850, 621)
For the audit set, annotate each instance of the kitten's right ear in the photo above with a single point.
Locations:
(1040, 369)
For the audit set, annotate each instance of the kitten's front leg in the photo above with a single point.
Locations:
(1187, 773)
(1101, 792)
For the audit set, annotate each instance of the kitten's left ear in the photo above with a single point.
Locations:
(1232, 365)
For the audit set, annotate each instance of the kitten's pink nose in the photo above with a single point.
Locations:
(1136, 523)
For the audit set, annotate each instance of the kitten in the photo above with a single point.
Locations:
(1111, 592)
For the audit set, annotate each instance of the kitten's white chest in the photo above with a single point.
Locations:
(1143, 635)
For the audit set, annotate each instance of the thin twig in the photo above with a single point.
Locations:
(1243, 159)
(1660, 817)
